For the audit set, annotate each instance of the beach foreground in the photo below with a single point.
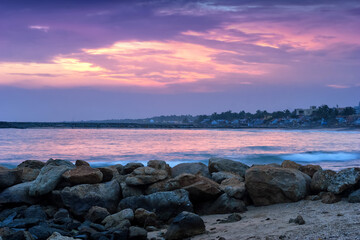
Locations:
(61, 200)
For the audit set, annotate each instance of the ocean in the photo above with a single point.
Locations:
(331, 149)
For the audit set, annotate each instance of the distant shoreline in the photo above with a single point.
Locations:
(89, 125)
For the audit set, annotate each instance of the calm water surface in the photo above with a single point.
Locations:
(330, 149)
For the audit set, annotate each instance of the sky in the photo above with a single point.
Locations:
(71, 60)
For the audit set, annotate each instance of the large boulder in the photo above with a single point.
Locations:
(129, 191)
(80, 198)
(9, 177)
(115, 219)
(34, 164)
(83, 175)
(199, 187)
(146, 175)
(185, 225)
(344, 180)
(97, 214)
(290, 164)
(164, 204)
(49, 177)
(310, 169)
(221, 176)
(160, 165)
(354, 197)
(191, 168)
(321, 180)
(233, 188)
(130, 167)
(223, 204)
(226, 165)
(18, 194)
(269, 185)
(30, 169)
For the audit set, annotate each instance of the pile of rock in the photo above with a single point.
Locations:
(125, 202)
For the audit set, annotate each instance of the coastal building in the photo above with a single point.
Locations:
(305, 112)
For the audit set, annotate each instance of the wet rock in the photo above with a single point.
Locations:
(222, 205)
(58, 236)
(290, 164)
(190, 168)
(34, 164)
(185, 225)
(233, 188)
(35, 211)
(80, 198)
(354, 197)
(144, 218)
(18, 194)
(145, 175)
(298, 220)
(344, 180)
(97, 214)
(321, 180)
(221, 176)
(226, 165)
(49, 177)
(9, 177)
(80, 163)
(159, 165)
(329, 198)
(310, 169)
(108, 173)
(164, 204)
(83, 175)
(114, 219)
(269, 185)
(128, 191)
(130, 167)
(29, 174)
(137, 233)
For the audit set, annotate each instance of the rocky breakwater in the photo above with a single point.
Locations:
(61, 200)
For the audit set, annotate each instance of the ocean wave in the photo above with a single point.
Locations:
(321, 156)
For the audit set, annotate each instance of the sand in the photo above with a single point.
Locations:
(322, 221)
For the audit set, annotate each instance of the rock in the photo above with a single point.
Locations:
(329, 198)
(145, 175)
(185, 225)
(160, 165)
(354, 197)
(128, 191)
(83, 175)
(290, 164)
(310, 169)
(269, 185)
(34, 164)
(49, 177)
(9, 177)
(97, 214)
(35, 211)
(234, 217)
(80, 163)
(164, 204)
(226, 165)
(130, 167)
(344, 180)
(137, 233)
(233, 188)
(144, 218)
(80, 198)
(221, 176)
(10, 234)
(42, 231)
(298, 220)
(321, 180)
(23, 222)
(113, 220)
(222, 205)
(199, 187)
(190, 168)
(118, 167)
(58, 236)
(62, 216)
(29, 174)
(108, 173)
(18, 194)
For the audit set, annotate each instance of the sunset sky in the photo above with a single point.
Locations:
(86, 59)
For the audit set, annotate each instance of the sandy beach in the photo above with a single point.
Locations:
(322, 221)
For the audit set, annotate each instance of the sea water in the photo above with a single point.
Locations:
(332, 149)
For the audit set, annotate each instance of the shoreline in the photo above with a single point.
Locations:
(156, 201)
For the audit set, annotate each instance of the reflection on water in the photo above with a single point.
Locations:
(331, 149)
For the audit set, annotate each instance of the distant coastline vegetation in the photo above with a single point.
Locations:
(322, 116)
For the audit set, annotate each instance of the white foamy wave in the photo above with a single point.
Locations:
(321, 156)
